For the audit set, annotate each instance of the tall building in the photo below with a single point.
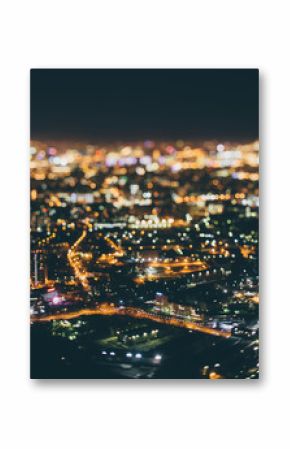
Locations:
(38, 269)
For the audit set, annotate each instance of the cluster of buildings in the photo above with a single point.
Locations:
(170, 228)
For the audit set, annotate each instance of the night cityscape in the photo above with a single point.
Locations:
(144, 224)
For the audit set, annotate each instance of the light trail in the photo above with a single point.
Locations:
(118, 251)
(75, 263)
(109, 309)
(192, 264)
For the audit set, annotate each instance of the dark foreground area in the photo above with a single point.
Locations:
(124, 348)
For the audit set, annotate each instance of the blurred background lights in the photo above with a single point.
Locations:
(220, 147)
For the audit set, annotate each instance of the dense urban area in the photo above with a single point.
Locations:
(144, 260)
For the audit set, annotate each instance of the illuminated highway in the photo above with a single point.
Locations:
(117, 250)
(132, 312)
(196, 264)
(76, 263)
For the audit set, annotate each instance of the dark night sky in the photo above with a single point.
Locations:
(97, 105)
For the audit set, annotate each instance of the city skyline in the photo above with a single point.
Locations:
(144, 251)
